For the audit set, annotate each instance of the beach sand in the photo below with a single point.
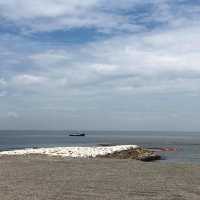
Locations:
(35, 177)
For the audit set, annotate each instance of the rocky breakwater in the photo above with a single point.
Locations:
(133, 153)
(118, 151)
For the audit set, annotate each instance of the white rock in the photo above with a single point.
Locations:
(74, 152)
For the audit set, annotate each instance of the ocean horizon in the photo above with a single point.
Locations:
(185, 143)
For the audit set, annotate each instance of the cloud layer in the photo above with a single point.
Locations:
(146, 49)
(128, 15)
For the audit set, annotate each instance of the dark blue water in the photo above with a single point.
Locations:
(186, 143)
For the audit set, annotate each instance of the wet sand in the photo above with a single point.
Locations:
(44, 178)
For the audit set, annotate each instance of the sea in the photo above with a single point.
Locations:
(187, 144)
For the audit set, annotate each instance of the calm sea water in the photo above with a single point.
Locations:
(186, 143)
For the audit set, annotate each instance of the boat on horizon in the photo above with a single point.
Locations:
(77, 134)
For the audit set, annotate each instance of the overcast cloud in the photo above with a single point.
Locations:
(96, 65)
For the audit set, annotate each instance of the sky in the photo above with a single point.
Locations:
(100, 65)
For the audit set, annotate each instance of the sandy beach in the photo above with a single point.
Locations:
(36, 177)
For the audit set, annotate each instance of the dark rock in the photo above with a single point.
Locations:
(139, 154)
(149, 158)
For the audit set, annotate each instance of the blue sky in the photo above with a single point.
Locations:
(94, 64)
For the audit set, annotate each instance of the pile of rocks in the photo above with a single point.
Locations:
(138, 154)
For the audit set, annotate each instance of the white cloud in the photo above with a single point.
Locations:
(104, 68)
(142, 61)
(158, 51)
(46, 8)
(51, 58)
(12, 114)
(51, 15)
(26, 79)
(3, 83)
(159, 61)
(48, 15)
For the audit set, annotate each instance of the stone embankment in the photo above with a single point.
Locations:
(132, 153)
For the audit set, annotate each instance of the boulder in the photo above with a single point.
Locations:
(138, 154)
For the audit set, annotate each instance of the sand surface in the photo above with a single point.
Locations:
(41, 178)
